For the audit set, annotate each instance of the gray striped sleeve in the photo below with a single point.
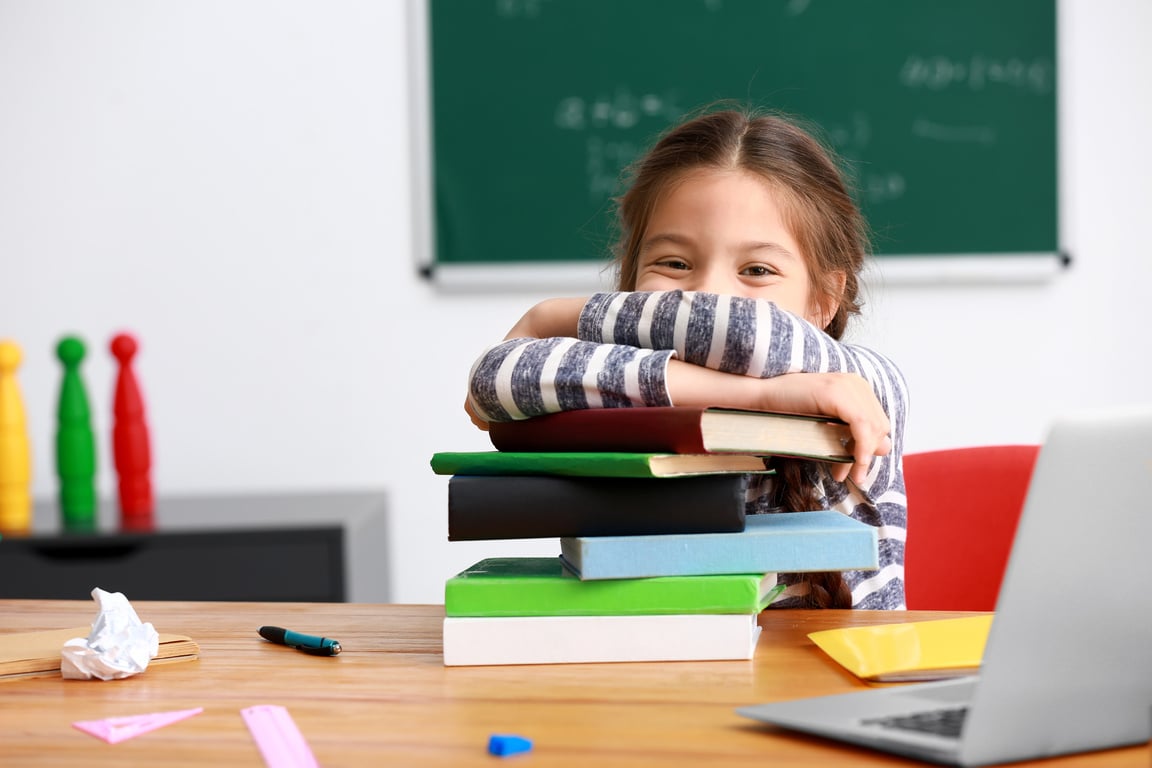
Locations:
(790, 343)
(741, 339)
(611, 383)
(662, 330)
(812, 349)
(626, 330)
(569, 380)
(653, 387)
(701, 320)
(590, 324)
(779, 360)
(482, 381)
(525, 389)
(522, 378)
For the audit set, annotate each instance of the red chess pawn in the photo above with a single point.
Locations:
(130, 444)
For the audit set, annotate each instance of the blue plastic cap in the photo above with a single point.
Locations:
(504, 745)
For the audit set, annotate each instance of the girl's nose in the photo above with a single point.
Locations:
(711, 277)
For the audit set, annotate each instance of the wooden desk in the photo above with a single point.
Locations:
(388, 700)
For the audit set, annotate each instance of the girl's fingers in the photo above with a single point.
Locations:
(865, 451)
(476, 420)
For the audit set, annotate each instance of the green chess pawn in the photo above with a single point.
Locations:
(75, 442)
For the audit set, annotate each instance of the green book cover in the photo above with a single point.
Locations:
(595, 464)
(542, 586)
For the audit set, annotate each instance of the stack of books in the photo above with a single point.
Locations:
(657, 562)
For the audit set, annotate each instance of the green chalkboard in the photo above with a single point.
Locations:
(944, 112)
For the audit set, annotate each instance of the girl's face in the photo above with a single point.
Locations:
(721, 231)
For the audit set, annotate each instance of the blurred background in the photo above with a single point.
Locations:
(241, 185)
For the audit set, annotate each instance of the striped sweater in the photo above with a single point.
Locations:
(619, 359)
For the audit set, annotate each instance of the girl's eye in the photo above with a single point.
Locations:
(672, 263)
(758, 270)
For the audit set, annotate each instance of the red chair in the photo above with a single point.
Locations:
(963, 506)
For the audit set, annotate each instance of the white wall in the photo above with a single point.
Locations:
(231, 181)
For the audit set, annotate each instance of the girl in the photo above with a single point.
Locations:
(737, 266)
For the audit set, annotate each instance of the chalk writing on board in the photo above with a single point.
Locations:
(623, 109)
(792, 7)
(797, 7)
(519, 9)
(851, 137)
(619, 127)
(618, 124)
(531, 9)
(882, 187)
(925, 103)
(604, 161)
(929, 129)
(853, 133)
(977, 73)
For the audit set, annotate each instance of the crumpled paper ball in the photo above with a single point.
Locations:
(120, 645)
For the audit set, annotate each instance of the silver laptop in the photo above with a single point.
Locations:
(1068, 663)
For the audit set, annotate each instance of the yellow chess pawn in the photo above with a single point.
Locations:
(15, 450)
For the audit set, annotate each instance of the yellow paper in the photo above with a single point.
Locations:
(918, 650)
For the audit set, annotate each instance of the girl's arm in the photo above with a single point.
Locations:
(524, 377)
(733, 334)
(716, 336)
(551, 317)
(732, 351)
(491, 396)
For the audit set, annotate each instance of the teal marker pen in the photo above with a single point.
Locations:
(317, 646)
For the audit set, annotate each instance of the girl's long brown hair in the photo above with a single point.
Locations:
(819, 212)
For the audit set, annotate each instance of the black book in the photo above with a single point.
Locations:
(545, 506)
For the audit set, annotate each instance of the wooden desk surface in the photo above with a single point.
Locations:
(388, 700)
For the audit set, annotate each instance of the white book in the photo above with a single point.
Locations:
(577, 639)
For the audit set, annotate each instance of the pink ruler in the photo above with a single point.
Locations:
(116, 729)
(279, 740)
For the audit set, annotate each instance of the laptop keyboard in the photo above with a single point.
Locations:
(941, 722)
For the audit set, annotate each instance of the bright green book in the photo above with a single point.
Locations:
(542, 586)
(595, 464)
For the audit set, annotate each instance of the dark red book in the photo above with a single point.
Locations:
(677, 429)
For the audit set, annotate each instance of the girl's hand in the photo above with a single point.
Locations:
(845, 396)
(479, 422)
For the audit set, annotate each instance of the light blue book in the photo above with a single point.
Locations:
(786, 542)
